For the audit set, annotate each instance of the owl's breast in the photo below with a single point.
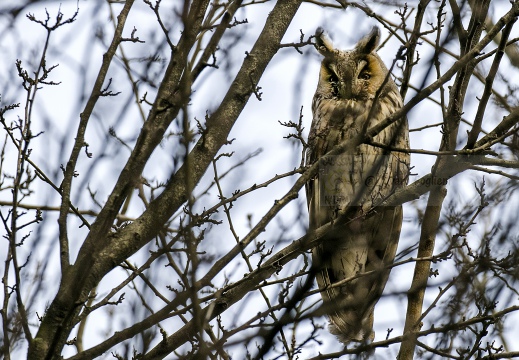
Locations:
(335, 121)
(366, 175)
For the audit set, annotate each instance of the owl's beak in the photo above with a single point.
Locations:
(346, 90)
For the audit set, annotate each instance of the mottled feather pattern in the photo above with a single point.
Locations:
(345, 104)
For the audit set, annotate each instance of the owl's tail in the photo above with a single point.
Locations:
(352, 273)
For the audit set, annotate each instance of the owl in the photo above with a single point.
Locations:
(354, 93)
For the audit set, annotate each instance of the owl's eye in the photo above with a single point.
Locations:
(364, 75)
(333, 78)
(334, 82)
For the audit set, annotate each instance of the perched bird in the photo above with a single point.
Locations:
(355, 92)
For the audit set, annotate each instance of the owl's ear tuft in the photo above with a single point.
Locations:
(323, 44)
(369, 43)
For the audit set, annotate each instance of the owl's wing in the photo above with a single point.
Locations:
(363, 247)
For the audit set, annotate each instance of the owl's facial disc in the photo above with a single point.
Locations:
(355, 81)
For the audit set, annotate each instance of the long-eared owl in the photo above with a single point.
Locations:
(354, 93)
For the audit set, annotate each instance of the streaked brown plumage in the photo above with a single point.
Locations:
(342, 108)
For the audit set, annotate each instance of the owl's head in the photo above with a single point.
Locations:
(354, 74)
